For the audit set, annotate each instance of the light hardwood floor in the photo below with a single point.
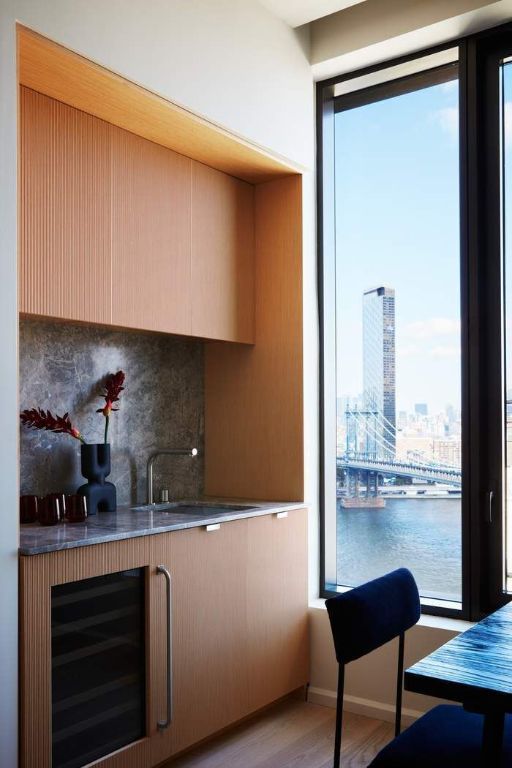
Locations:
(291, 734)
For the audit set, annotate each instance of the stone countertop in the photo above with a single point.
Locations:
(130, 522)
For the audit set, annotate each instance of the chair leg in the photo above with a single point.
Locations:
(339, 716)
(399, 685)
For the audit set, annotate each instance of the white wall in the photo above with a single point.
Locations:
(378, 30)
(230, 61)
(370, 683)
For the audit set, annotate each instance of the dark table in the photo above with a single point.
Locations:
(474, 668)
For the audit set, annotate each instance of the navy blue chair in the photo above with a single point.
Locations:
(371, 615)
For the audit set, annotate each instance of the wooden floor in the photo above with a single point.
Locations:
(292, 733)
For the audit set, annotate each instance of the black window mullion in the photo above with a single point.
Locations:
(470, 577)
(489, 49)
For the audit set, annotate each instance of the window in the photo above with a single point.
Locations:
(415, 182)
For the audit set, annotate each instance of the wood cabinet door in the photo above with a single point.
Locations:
(209, 669)
(65, 209)
(222, 256)
(277, 615)
(150, 236)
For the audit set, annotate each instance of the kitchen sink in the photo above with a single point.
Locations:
(195, 508)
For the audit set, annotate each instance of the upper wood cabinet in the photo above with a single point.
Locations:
(116, 229)
(222, 256)
(150, 235)
(65, 211)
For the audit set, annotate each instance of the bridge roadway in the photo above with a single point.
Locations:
(421, 472)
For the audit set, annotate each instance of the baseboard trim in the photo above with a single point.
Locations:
(376, 709)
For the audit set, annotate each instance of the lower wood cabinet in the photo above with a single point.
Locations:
(99, 667)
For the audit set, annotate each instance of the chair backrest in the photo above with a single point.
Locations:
(366, 617)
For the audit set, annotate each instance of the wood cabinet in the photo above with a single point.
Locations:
(222, 256)
(65, 191)
(116, 229)
(239, 629)
(277, 627)
(151, 285)
(209, 677)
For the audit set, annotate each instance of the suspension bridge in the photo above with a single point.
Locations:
(370, 454)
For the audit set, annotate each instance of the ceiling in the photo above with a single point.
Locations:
(297, 12)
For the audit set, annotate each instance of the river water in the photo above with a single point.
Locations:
(423, 535)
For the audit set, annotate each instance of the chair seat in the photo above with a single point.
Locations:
(447, 736)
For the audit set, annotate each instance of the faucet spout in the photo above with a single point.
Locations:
(151, 461)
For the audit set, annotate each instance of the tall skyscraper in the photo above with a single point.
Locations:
(421, 409)
(379, 366)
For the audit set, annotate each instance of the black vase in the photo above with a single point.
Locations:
(95, 461)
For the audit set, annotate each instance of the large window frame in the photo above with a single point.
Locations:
(481, 282)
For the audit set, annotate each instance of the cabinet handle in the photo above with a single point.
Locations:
(163, 724)
(280, 515)
(213, 527)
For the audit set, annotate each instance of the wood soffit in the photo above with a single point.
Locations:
(56, 71)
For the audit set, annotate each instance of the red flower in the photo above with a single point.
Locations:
(37, 418)
(112, 389)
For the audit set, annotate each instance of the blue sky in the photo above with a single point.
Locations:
(397, 212)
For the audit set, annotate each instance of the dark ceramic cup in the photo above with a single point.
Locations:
(49, 509)
(61, 497)
(76, 508)
(28, 509)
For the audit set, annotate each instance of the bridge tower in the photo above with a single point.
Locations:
(361, 433)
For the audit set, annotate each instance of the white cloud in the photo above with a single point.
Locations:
(450, 86)
(407, 350)
(434, 327)
(448, 119)
(445, 351)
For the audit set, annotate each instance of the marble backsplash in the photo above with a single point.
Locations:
(61, 368)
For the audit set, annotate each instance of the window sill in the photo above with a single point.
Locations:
(444, 622)
(426, 620)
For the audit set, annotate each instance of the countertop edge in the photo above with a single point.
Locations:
(263, 508)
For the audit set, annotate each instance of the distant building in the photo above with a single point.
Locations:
(402, 420)
(421, 409)
(447, 452)
(379, 381)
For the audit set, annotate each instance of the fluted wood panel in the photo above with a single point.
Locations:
(150, 236)
(35, 664)
(254, 395)
(65, 211)
(209, 639)
(73, 79)
(38, 574)
(277, 620)
(96, 560)
(222, 256)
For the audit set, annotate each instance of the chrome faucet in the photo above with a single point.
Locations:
(151, 461)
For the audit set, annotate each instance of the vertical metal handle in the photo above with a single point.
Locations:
(490, 497)
(163, 724)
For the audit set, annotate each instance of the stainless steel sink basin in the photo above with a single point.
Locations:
(205, 508)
